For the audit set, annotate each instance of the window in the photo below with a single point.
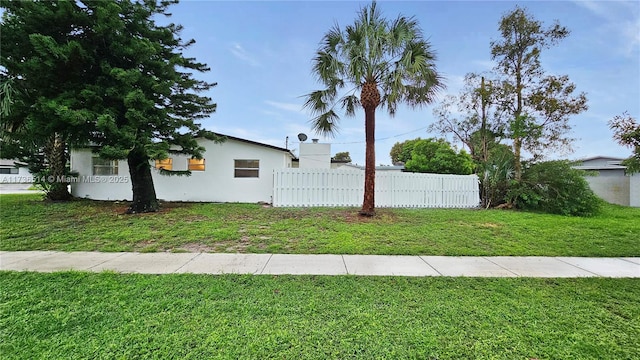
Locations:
(166, 164)
(196, 164)
(246, 168)
(8, 170)
(104, 166)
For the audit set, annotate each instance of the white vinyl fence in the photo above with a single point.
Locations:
(330, 187)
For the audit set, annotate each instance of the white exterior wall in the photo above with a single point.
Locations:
(215, 184)
(634, 190)
(22, 177)
(612, 189)
(315, 156)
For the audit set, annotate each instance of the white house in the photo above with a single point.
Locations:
(237, 170)
(608, 180)
(11, 172)
(240, 170)
(13, 177)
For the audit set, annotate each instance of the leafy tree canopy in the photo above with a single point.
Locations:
(537, 106)
(342, 156)
(474, 117)
(401, 151)
(627, 132)
(437, 156)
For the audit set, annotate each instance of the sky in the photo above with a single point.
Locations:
(260, 54)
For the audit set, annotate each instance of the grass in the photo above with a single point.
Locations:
(83, 225)
(75, 315)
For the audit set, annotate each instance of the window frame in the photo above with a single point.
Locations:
(246, 169)
(195, 164)
(112, 166)
(160, 164)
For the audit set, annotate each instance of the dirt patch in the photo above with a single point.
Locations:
(239, 246)
(352, 216)
(146, 246)
(121, 207)
(196, 248)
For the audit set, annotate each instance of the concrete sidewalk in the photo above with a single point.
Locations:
(280, 264)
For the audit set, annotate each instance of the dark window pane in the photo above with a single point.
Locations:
(247, 164)
(246, 173)
(8, 170)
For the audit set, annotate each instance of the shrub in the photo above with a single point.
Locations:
(554, 187)
(496, 175)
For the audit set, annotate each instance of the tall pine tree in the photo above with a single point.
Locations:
(144, 92)
(131, 90)
(42, 69)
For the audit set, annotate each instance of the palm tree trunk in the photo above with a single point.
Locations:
(368, 205)
(56, 157)
(144, 193)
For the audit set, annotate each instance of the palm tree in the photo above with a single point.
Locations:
(387, 62)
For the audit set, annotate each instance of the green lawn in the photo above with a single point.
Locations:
(83, 225)
(111, 316)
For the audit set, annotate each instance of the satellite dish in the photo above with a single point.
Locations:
(302, 137)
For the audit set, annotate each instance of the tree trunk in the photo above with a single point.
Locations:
(369, 99)
(56, 157)
(368, 205)
(517, 139)
(485, 149)
(144, 193)
(517, 145)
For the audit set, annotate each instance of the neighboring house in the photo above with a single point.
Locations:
(607, 179)
(237, 170)
(10, 173)
(13, 178)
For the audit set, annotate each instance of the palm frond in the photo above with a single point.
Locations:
(392, 54)
(320, 101)
(333, 39)
(326, 124)
(349, 103)
(328, 68)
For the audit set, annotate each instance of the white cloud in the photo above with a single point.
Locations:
(297, 108)
(593, 6)
(238, 51)
(631, 32)
(622, 19)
